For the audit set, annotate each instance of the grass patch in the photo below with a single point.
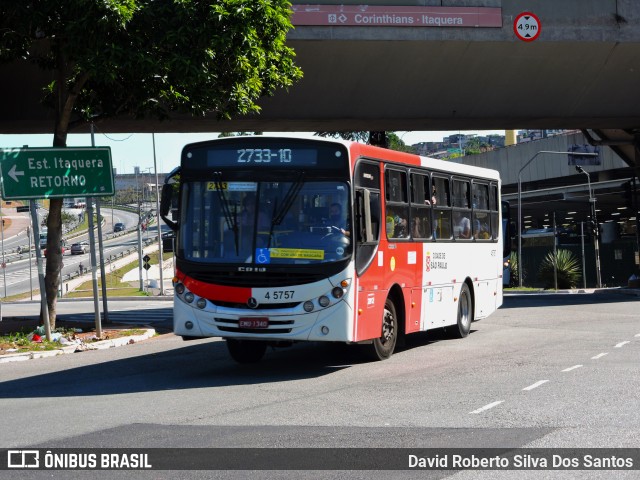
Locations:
(17, 342)
(131, 332)
(115, 286)
(23, 340)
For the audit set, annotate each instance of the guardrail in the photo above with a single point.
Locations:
(110, 259)
(21, 253)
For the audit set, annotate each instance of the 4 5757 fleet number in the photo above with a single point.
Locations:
(279, 295)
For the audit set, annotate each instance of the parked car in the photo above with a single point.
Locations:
(118, 227)
(168, 241)
(79, 248)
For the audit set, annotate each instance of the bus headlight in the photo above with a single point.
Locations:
(337, 292)
(308, 306)
(188, 297)
(201, 303)
(179, 288)
(324, 301)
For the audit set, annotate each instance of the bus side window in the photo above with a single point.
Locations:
(462, 209)
(397, 212)
(481, 221)
(420, 206)
(442, 210)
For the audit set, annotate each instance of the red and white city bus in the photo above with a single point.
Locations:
(281, 240)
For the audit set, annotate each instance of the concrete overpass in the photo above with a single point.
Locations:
(433, 73)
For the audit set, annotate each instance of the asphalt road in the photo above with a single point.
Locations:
(545, 371)
(19, 276)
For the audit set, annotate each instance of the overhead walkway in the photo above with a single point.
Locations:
(578, 73)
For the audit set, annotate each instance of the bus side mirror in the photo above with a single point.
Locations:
(165, 205)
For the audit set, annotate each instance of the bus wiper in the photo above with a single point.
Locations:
(287, 202)
(226, 210)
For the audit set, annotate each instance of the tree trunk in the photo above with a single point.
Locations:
(54, 257)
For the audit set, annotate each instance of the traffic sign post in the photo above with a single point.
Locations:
(146, 266)
(527, 26)
(33, 173)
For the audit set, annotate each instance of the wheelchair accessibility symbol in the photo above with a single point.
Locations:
(263, 255)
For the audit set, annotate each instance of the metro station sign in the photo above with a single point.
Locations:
(388, 16)
(32, 173)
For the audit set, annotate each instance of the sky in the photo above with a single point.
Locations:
(129, 150)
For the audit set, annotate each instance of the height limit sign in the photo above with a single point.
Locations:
(527, 27)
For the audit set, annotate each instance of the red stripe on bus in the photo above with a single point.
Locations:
(215, 292)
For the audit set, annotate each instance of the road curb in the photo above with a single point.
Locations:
(578, 291)
(77, 348)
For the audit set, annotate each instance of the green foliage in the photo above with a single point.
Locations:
(514, 265)
(568, 269)
(237, 134)
(146, 59)
(153, 57)
(362, 137)
(394, 141)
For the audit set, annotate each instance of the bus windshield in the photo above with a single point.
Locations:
(266, 222)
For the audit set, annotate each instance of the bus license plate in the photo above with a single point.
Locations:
(255, 322)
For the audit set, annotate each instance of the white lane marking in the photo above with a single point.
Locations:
(535, 385)
(571, 368)
(621, 344)
(487, 407)
(600, 355)
(637, 335)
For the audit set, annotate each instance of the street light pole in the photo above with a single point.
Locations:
(594, 219)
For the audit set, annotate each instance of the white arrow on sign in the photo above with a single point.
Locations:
(13, 174)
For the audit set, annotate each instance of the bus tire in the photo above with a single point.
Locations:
(383, 347)
(465, 312)
(246, 351)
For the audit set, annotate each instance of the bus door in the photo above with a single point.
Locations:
(369, 258)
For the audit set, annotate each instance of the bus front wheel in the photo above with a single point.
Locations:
(383, 347)
(246, 351)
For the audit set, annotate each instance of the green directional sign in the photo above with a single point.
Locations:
(31, 173)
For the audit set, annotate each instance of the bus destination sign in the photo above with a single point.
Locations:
(246, 157)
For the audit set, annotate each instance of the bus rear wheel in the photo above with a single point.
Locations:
(383, 347)
(246, 351)
(465, 312)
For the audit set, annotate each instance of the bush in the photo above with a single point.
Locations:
(568, 268)
(514, 265)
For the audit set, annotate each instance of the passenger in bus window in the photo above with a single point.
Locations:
(433, 197)
(336, 219)
(247, 216)
(396, 226)
(481, 230)
(416, 231)
(463, 226)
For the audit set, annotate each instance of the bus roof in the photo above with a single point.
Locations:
(358, 149)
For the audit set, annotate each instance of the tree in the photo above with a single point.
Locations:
(383, 139)
(396, 143)
(145, 59)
